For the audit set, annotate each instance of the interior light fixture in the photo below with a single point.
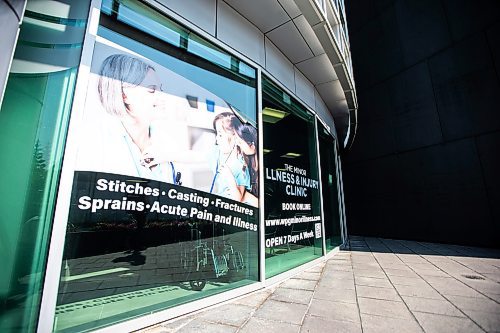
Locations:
(291, 155)
(272, 116)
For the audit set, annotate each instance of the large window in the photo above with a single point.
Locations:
(33, 123)
(292, 198)
(164, 205)
(329, 188)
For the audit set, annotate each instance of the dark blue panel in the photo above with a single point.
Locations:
(373, 140)
(379, 42)
(423, 29)
(467, 17)
(488, 147)
(467, 89)
(493, 35)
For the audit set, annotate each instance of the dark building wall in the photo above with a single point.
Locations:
(425, 164)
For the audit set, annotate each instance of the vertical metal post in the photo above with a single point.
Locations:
(323, 235)
(262, 225)
(341, 201)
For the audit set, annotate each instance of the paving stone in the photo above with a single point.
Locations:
(487, 320)
(453, 267)
(377, 324)
(228, 314)
(373, 282)
(378, 273)
(263, 325)
(433, 323)
(281, 311)
(437, 258)
(362, 256)
(373, 266)
(378, 293)
(316, 269)
(198, 325)
(400, 272)
(383, 308)
(422, 266)
(484, 286)
(407, 281)
(450, 286)
(423, 291)
(335, 283)
(431, 272)
(412, 258)
(492, 277)
(398, 266)
(338, 268)
(337, 275)
(482, 304)
(495, 297)
(255, 299)
(335, 294)
(292, 295)
(176, 324)
(334, 310)
(156, 329)
(314, 324)
(299, 284)
(483, 267)
(436, 306)
(386, 257)
(313, 276)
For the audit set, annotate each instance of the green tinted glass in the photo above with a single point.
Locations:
(33, 123)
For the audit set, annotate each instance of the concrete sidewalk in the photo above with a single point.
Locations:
(379, 286)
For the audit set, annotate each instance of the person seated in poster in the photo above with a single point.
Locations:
(232, 176)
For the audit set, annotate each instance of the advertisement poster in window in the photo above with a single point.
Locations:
(166, 177)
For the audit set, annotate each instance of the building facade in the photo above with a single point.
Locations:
(425, 165)
(163, 156)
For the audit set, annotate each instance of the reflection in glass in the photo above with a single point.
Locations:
(226, 75)
(33, 122)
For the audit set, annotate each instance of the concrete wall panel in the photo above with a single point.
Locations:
(201, 13)
(234, 30)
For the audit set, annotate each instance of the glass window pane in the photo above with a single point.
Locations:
(165, 196)
(190, 48)
(329, 188)
(292, 200)
(33, 122)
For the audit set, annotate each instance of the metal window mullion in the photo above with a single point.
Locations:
(339, 195)
(341, 202)
(262, 226)
(323, 235)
